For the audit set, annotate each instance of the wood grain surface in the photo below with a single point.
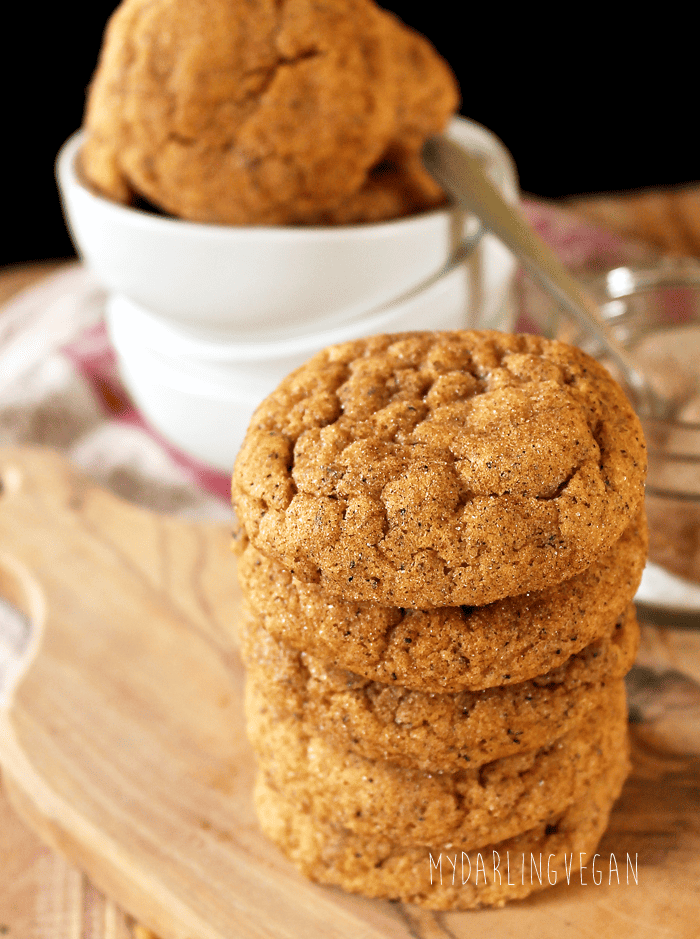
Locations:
(43, 895)
(123, 744)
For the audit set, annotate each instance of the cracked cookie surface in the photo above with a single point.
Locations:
(441, 469)
(434, 732)
(451, 648)
(472, 806)
(265, 112)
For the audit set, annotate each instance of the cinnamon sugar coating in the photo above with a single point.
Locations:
(424, 470)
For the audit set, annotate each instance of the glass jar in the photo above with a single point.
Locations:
(655, 313)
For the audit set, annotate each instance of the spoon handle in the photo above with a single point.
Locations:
(464, 178)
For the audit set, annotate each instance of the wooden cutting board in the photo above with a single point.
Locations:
(122, 741)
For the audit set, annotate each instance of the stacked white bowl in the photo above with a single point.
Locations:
(207, 319)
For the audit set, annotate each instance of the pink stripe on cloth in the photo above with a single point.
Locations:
(93, 357)
(582, 247)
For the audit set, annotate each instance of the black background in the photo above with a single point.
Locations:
(583, 106)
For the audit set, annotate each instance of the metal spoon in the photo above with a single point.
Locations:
(461, 175)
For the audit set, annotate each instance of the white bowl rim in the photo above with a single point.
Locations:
(67, 175)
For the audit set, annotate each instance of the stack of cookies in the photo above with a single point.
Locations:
(442, 534)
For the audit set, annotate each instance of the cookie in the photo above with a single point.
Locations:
(472, 806)
(441, 469)
(451, 649)
(331, 854)
(392, 190)
(257, 113)
(434, 732)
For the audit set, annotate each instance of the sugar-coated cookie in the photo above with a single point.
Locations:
(264, 113)
(441, 469)
(444, 876)
(435, 732)
(452, 648)
(472, 806)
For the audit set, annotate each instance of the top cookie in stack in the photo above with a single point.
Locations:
(441, 469)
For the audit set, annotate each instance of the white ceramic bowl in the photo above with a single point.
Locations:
(200, 394)
(265, 281)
